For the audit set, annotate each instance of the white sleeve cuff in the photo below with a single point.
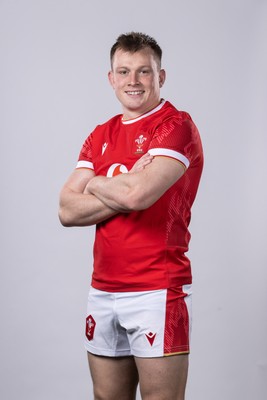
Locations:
(170, 153)
(84, 164)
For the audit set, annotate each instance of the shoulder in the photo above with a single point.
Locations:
(102, 128)
(179, 121)
(111, 122)
(174, 121)
(171, 112)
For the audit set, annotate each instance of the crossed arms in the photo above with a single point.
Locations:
(86, 199)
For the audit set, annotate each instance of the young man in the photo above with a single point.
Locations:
(136, 179)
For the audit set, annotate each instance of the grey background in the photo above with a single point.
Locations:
(54, 90)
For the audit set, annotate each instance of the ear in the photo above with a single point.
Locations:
(162, 77)
(111, 78)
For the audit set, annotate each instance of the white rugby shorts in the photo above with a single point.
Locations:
(142, 324)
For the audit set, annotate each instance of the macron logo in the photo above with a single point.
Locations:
(104, 147)
(150, 337)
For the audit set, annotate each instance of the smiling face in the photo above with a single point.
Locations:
(136, 79)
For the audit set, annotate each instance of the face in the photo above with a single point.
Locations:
(136, 79)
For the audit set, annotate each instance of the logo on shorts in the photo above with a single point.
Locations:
(151, 337)
(90, 327)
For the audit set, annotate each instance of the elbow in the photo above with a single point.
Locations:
(64, 218)
(69, 219)
(140, 204)
(135, 202)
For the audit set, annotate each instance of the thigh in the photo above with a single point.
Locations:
(163, 378)
(158, 322)
(103, 334)
(113, 377)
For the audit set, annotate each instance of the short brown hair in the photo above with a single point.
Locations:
(136, 41)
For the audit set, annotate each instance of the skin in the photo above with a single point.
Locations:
(78, 207)
(161, 378)
(86, 199)
(136, 80)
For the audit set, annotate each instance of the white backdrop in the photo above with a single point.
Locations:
(54, 90)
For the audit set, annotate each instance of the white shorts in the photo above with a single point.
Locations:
(143, 324)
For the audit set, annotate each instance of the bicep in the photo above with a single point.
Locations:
(78, 208)
(146, 187)
(158, 177)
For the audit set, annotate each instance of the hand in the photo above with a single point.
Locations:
(141, 163)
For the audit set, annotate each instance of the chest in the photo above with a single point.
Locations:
(117, 148)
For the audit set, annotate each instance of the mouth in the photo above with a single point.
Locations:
(134, 92)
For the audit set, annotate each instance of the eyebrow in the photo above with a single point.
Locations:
(141, 66)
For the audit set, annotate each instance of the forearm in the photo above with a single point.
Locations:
(139, 190)
(80, 209)
(119, 193)
(122, 192)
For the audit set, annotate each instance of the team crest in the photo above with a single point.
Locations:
(90, 327)
(140, 141)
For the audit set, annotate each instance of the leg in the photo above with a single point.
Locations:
(114, 378)
(163, 378)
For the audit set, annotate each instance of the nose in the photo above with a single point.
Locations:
(133, 79)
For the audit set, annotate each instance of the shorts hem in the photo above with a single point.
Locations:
(105, 352)
(156, 354)
(176, 353)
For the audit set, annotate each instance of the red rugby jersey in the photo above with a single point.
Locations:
(145, 250)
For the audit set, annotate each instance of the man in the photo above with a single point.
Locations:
(136, 179)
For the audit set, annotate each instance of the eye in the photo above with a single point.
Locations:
(123, 72)
(145, 71)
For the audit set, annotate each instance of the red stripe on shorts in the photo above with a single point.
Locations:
(176, 338)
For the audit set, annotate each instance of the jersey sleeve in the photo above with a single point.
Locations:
(85, 156)
(178, 139)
